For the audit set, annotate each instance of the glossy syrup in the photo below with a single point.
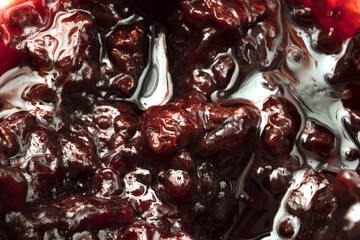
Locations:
(157, 105)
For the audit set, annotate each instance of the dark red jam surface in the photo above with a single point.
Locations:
(180, 120)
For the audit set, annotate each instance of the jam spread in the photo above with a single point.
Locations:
(179, 120)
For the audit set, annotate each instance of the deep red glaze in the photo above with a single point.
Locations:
(188, 119)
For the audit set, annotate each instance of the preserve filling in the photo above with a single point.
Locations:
(183, 119)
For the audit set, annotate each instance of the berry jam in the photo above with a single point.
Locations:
(186, 119)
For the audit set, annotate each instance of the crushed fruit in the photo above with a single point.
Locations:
(180, 120)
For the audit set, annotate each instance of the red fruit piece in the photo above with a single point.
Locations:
(85, 213)
(347, 187)
(142, 230)
(334, 209)
(126, 47)
(348, 67)
(78, 152)
(8, 143)
(107, 183)
(42, 155)
(167, 129)
(123, 212)
(20, 123)
(128, 40)
(286, 228)
(318, 140)
(203, 82)
(235, 13)
(183, 161)
(21, 226)
(178, 184)
(23, 15)
(13, 189)
(103, 116)
(16, 18)
(223, 70)
(279, 180)
(350, 100)
(125, 83)
(23, 12)
(195, 11)
(126, 124)
(283, 124)
(65, 45)
(228, 130)
(340, 17)
(229, 13)
(9, 58)
(301, 198)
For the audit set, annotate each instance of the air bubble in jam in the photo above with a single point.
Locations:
(189, 119)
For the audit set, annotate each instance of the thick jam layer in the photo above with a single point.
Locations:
(187, 119)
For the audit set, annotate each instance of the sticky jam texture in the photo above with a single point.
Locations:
(186, 119)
